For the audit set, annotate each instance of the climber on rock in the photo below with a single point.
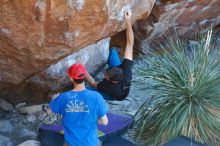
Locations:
(117, 79)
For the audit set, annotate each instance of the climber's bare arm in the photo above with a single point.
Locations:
(103, 120)
(91, 81)
(130, 36)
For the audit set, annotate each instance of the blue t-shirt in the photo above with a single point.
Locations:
(80, 111)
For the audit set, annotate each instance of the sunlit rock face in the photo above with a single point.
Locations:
(184, 17)
(54, 79)
(34, 34)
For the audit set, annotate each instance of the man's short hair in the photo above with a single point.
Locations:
(114, 73)
(78, 81)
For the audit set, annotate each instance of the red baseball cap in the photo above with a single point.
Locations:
(77, 71)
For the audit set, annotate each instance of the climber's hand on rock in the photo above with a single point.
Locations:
(128, 15)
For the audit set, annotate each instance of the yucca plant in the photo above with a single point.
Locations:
(185, 93)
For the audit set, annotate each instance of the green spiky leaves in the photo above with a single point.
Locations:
(185, 93)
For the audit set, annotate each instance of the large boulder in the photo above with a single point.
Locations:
(184, 17)
(54, 79)
(35, 34)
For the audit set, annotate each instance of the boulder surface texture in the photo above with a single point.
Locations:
(35, 34)
(183, 17)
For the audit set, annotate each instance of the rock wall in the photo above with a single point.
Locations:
(37, 33)
(54, 79)
(184, 17)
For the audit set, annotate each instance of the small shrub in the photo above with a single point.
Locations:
(185, 93)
